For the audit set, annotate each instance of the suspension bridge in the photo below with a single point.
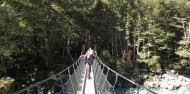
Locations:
(73, 80)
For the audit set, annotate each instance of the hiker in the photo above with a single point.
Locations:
(89, 57)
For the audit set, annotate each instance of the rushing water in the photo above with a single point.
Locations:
(181, 90)
(129, 91)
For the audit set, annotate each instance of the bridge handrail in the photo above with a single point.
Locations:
(142, 86)
(117, 73)
(40, 82)
(58, 74)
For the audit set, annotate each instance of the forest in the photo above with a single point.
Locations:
(39, 38)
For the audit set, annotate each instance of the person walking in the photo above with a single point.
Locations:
(89, 58)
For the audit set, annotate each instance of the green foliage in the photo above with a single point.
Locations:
(155, 68)
(105, 54)
(37, 36)
(162, 31)
(183, 53)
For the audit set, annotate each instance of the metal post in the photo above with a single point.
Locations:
(115, 81)
(38, 87)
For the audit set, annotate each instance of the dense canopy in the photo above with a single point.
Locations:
(41, 37)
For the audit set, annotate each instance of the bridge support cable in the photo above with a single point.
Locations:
(101, 82)
(105, 84)
(38, 88)
(64, 82)
(104, 81)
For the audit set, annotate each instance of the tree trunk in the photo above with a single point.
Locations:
(116, 46)
(144, 49)
(3, 65)
(148, 51)
(134, 52)
(36, 44)
(112, 48)
(189, 26)
(148, 54)
(138, 37)
(123, 43)
(69, 51)
(188, 37)
(185, 34)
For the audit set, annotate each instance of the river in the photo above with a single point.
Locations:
(181, 90)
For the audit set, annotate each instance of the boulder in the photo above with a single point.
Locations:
(5, 82)
(169, 80)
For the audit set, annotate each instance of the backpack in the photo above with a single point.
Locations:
(89, 59)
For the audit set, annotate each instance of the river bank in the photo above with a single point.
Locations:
(169, 83)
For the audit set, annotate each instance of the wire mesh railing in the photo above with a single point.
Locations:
(65, 82)
(107, 81)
